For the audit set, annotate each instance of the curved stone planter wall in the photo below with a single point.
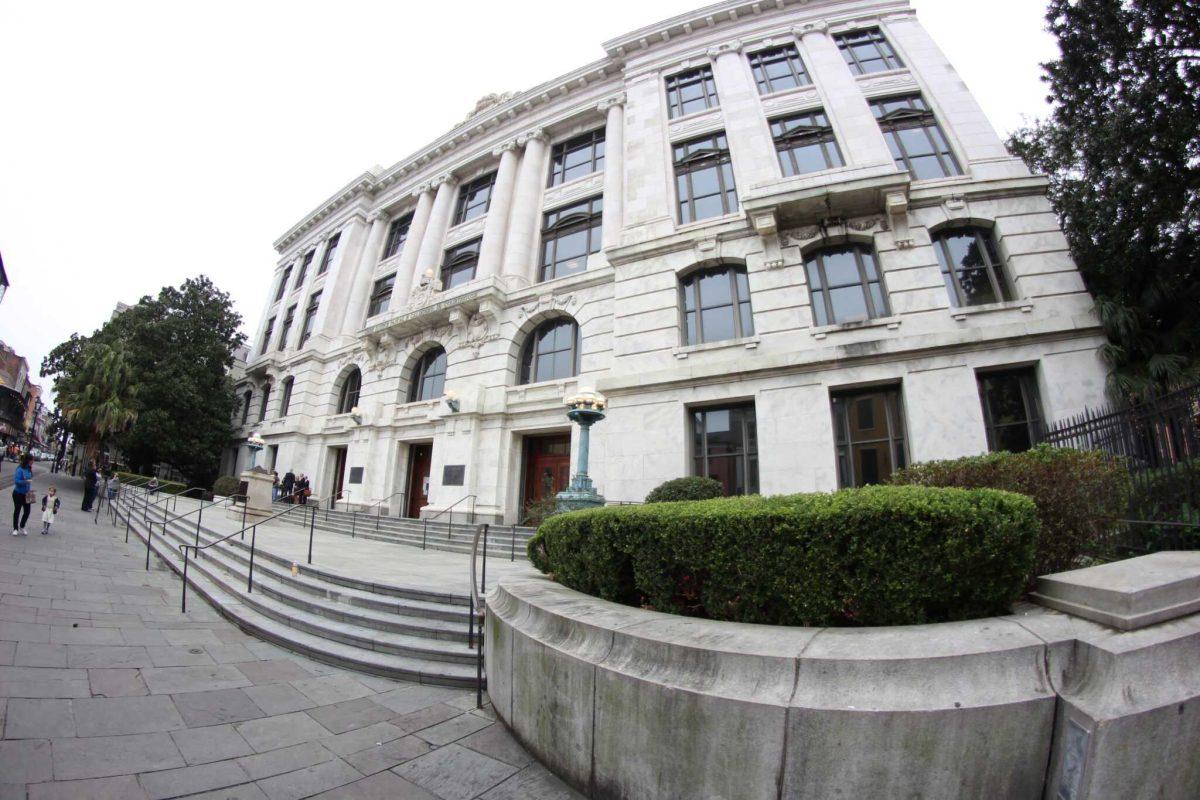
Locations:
(627, 703)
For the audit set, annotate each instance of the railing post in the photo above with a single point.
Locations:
(471, 624)
(198, 516)
(149, 533)
(183, 606)
(512, 556)
(312, 517)
(424, 530)
(483, 578)
(353, 523)
(250, 575)
(245, 503)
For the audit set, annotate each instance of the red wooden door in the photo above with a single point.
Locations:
(420, 463)
(547, 467)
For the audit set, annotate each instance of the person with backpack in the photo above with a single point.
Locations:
(22, 494)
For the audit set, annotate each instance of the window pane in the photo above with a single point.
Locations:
(976, 287)
(721, 437)
(841, 267)
(715, 290)
(849, 304)
(706, 207)
(718, 324)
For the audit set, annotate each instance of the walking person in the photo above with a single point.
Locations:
(289, 486)
(91, 479)
(275, 486)
(22, 494)
(50, 504)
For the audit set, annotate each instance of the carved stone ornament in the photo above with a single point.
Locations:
(798, 236)
(548, 302)
(733, 46)
(537, 134)
(422, 293)
(864, 224)
(489, 101)
(820, 27)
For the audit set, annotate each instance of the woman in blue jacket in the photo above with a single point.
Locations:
(22, 485)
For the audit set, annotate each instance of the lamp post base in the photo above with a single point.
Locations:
(579, 495)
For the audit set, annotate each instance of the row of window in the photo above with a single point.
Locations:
(305, 262)
(289, 318)
(869, 431)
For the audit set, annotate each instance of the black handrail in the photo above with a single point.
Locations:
(450, 520)
(199, 512)
(155, 504)
(378, 505)
(477, 602)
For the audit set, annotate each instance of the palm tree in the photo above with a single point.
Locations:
(99, 398)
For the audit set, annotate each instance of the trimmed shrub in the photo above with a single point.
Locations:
(225, 486)
(881, 555)
(1079, 494)
(691, 488)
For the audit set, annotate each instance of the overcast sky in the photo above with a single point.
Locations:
(142, 143)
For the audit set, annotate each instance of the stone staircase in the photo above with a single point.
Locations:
(504, 541)
(392, 631)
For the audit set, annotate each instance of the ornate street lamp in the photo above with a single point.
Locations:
(585, 409)
(254, 443)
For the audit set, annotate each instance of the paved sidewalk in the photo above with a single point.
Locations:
(108, 691)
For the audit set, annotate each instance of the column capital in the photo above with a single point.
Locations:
(535, 135)
(732, 47)
(445, 177)
(820, 27)
(377, 214)
(504, 147)
(611, 102)
(421, 189)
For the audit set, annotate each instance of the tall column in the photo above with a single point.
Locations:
(518, 250)
(749, 141)
(412, 246)
(614, 168)
(491, 249)
(356, 303)
(430, 253)
(338, 284)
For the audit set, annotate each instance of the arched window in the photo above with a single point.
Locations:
(348, 396)
(970, 266)
(285, 399)
(266, 399)
(716, 305)
(845, 285)
(429, 378)
(552, 352)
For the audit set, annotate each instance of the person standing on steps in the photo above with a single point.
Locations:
(50, 505)
(289, 486)
(275, 486)
(22, 494)
(91, 479)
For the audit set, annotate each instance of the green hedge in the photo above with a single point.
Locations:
(1079, 495)
(694, 487)
(164, 487)
(881, 555)
(225, 486)
(1169, 493)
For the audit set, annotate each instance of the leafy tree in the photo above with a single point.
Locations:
(1122, 149)
(99, 397)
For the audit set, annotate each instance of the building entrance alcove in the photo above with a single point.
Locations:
(339, 471)
(420, 466)
(546, 470)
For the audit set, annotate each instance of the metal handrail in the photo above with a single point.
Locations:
(477, 602)
(156, 504)
(378, 504)
(199, 512)
(512, 534)
(450, 521)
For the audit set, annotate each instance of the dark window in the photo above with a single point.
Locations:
(348, 394)
(304, 262)
(970, 267)
(245, 407)
(569, 235)
(266, 399)
(285, 399)
(474, 198)
(869, 430)
(914, 137)
(716, 305)
(330, 251)
(397, 235)
(867, 51)
(458, 267)
(310, 316)
(805, 143)
(266, 338)
(845, 285)
(704, 179)
(691, 91)
(778, 69)
(380, 295)
(552, 352)
(1011, 410)
(429, 378)
(288, 319)
(725, 447)
(577, 157)
(283, 282)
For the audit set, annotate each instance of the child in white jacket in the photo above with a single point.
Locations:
(50, 504)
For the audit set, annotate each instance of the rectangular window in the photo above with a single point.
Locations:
(805, 143)
(285, 399)
(397, 236)
(867, 51)
(845, 285)
(288, 319)
(330, 251)
(704, 178)
(868, 430)
(725, 447)
(577, 157)
(914, 137)
(691, 91)
(716, 305)
(1012, 410)
(569, 235)
(310, 316)
(778, 69)
(458, 266)
(266, 339)
(381, 294)
(283, 282)
(971, 268)
(304, 262)
(474, 198)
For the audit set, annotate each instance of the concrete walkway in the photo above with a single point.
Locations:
(108, 691)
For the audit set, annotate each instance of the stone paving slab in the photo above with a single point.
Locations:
(108, 691)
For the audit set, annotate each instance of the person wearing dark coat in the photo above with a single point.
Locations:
(289, 486)
(91, 480)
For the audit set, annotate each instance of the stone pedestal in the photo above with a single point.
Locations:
(258, 495)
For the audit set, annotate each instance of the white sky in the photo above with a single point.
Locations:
(142, 143)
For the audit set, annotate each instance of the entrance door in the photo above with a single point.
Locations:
(420, 463)
(339, 471)
(547, 467)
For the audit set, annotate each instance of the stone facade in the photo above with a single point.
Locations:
(627, 302)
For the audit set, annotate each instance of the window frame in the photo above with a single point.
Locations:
(864, 282)
(558, 153)
(886, 55)
(993, 264)
(266, 401)
(381, 295)
(917, 115)
(331, 248)
(285, 398)
(673, 84)
(466, 209)
(284, 277)
(268, 332)
(348, 397)
(689, 284)
(591, 220)
(788, 141)
(1031, 399)
(530, 353)
(289, 319)
(247, 396)
(310, 317)
(796, 67)
(396, 238)
(303, 272)
(698, 423)
(454, 260)
(419, 382)
(896, 436)
(692, 163)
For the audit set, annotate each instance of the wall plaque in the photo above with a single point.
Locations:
(356, 474)
(453, 474)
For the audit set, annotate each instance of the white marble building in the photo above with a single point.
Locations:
(781, 237)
